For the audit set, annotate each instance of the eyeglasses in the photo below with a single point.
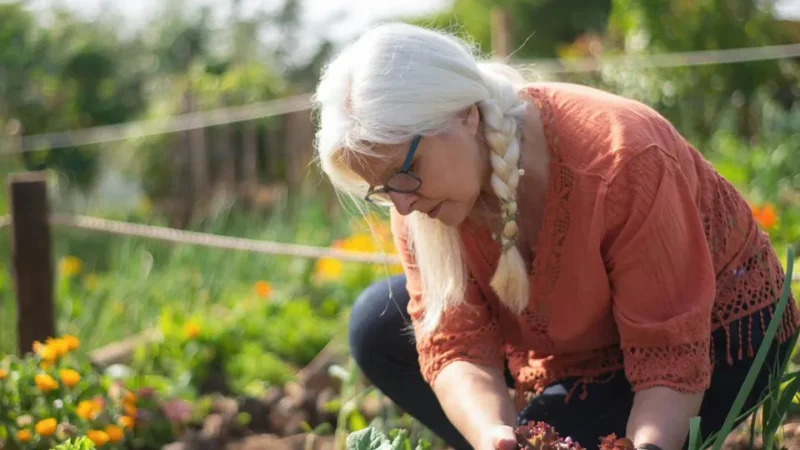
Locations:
(403, 181)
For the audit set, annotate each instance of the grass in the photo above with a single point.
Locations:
(109, 287)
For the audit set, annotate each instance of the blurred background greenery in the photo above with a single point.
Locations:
(68, 65)
(77, 64)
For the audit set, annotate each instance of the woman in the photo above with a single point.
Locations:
(556, 239)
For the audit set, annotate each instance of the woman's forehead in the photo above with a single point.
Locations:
(376, 164)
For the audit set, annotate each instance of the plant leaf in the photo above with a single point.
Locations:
(367, 439)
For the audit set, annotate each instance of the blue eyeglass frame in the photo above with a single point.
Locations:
(403, 170)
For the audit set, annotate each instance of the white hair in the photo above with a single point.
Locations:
(398, 81)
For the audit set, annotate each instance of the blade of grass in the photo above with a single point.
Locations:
(694, 433)
(744, 392)
(771, 427)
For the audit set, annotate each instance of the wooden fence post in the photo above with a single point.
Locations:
(31, 259)
(501, 33)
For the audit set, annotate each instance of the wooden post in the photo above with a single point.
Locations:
(249, 155)
(501, 33)
(31, 259)
(199, 155)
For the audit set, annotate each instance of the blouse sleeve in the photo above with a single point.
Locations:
(468, 332)
(661, 272)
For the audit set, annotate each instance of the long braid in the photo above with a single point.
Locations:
(501, 116)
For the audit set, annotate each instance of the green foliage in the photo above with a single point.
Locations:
(538, 28)
(81, 443)
(54, 394)
(372, 439)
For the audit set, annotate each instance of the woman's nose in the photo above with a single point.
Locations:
(403, 202)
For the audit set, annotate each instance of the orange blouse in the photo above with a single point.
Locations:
(644, 251)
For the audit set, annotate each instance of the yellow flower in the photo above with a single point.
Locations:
(90, 282)
(70, 266)
(3, 374)
(72, 342)
(99, 437)
(46, 427)
(48, 353)
(24, 435)
(127, 422)
(88, 409)
(45, 382)
(191, 330)
(59, 346)
(115, 433)
(69, 377)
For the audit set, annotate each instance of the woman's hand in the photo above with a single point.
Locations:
(498, 437)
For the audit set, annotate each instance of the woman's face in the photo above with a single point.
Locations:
(453, 167)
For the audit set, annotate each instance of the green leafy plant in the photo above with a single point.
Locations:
(53, 394)
(372, 439)
(81, 443)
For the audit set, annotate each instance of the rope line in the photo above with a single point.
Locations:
(302, 102)
(216, 241)
(146, 128)
(677, 59)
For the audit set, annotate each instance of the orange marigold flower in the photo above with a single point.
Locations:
(46, 427)
(191, 330)
(263, 289)
(69, 377)
(72, 342)
(48, 353)
(115, 433)
(130, 409)
(127, 422)
(45, 382)
(59, 346)
(24, 435)
(99, 437)
(3, 374)
(130, 397)
(766, 216)
(88, 409)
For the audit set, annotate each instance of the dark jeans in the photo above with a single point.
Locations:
(382, 345)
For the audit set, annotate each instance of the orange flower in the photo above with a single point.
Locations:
(130, 409)
(88, 409)
(115, 433)
(24, 435)
(191, 330)
(765, 216)
(130, 397)
(46, 427)
(72, 342)
(263, 289)
(48, 353)
(3, 374)
(127, 422)
(45, 382)
(59, 346)
(99, 437)
(69, 377)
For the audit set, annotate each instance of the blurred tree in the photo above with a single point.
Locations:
(66, 76)
(698, 96)
(539, 27)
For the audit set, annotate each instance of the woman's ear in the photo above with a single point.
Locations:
(472, 119)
